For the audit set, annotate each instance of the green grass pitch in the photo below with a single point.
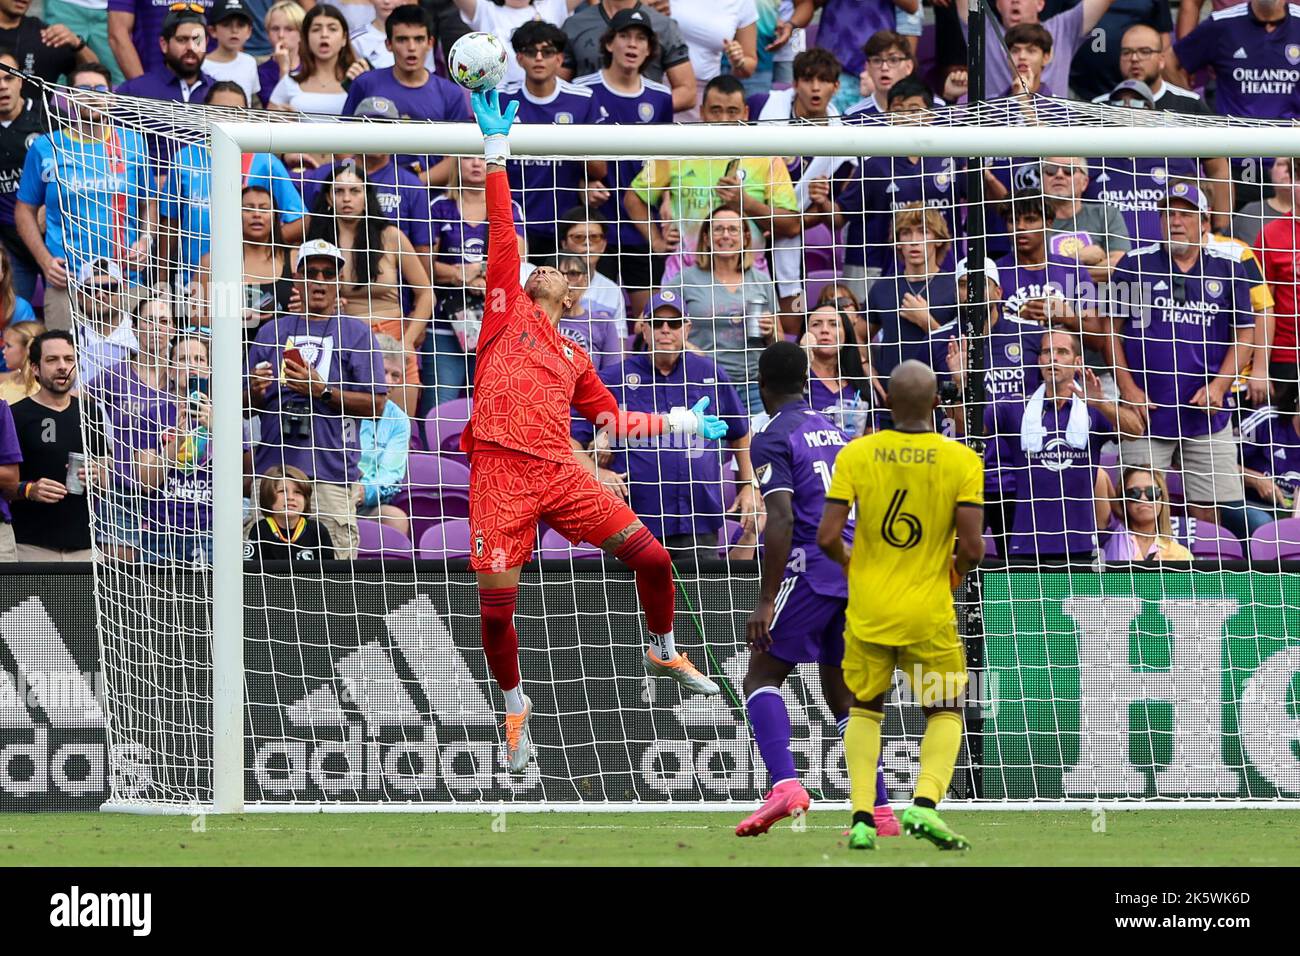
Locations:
(1000, 838)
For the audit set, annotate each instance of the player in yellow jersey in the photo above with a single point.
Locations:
(913, 491)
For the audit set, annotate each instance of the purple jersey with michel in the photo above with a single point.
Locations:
(456, 240)
(308, 433)
(1054, 486)
(654, 104)
(885, 184)
(403, 197)
(438, 100)
(795, 452)
(596, 330)
(546, 187)
(1178, 332)
(1270, 445)
(1257, 71)
(1137, 187)
(11, 453)
(1062, 278)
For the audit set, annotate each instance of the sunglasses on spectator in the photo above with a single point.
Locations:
(92, 88)
(535, 50)
(1057, 169)
(1149, 493)
(671, 323)
(191, 7)
(321, 272)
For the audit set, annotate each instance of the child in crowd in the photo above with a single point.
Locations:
(284, 532)
(230, 25)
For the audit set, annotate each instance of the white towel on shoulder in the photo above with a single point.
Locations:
(1033, 433)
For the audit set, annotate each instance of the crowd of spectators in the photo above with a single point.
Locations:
(1138, 363)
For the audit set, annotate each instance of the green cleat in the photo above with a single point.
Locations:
(862, 837)
(926, 823)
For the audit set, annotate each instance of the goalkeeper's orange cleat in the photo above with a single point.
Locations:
(519, 745)
(886, 822)
(787, 799)
(681, 670)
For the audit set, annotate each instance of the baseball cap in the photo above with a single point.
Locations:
(187, 13)
(1189, 194)
(990, 271)
(224, 9)
(1132, 86)
(665, 299)
(99, 268)
(631, 18)
(377, 107)
(317, 249)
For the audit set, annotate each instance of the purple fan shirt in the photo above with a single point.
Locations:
(1178, 334)
(145, 33)
(885, 184)
(437, 100)
(1066, 29)
(548, 188)
(344, 352)
(795, 452)
(596, 330)
(1257, 72)
(847, 24)
(900, 340)
(403, 196)
(11, 453)
(850, 410)
(1054, 486)
(1011, 373)
(1062, 277)
(1016, 174)
(675, 488)
(654, 104)
(1138, 187)
(1270, 444)
(456, 240)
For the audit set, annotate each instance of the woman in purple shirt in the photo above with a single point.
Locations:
(837, 385)
(459, 233)
(1145, 533)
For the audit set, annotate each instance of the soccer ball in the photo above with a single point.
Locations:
(477, 61)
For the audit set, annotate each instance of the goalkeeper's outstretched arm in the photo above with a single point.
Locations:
(503, 247)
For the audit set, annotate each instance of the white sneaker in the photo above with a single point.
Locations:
(519, 745)
(681, 670)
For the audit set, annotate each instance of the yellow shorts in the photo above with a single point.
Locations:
(936, 668)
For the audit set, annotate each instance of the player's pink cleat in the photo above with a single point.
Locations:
(886, 822)
(788, 798)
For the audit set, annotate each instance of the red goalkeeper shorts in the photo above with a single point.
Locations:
(510, 493)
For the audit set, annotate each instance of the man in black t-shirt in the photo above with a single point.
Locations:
(49, 52)
(52, 523)
(22, 119)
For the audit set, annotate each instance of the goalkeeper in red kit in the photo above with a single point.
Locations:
(523, 467)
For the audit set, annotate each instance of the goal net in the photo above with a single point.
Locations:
(283, 599)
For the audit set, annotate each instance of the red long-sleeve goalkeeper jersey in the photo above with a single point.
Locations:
(527, 375)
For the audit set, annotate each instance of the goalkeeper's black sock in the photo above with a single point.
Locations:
(924, 802)
(863, 816)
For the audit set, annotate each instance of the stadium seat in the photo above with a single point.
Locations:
(443, 425)
(429, 470)
(556, 547)
(814, 284)
(990, 546)
(381, 541)
(1208, 540)
(1174, 481)
(428, 507)
(819, 249)
(1277, 541)
(450, 539)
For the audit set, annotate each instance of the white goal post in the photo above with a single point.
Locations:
(231, 139)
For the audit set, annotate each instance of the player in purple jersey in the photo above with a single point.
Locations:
(799, 617)
(547, 187)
